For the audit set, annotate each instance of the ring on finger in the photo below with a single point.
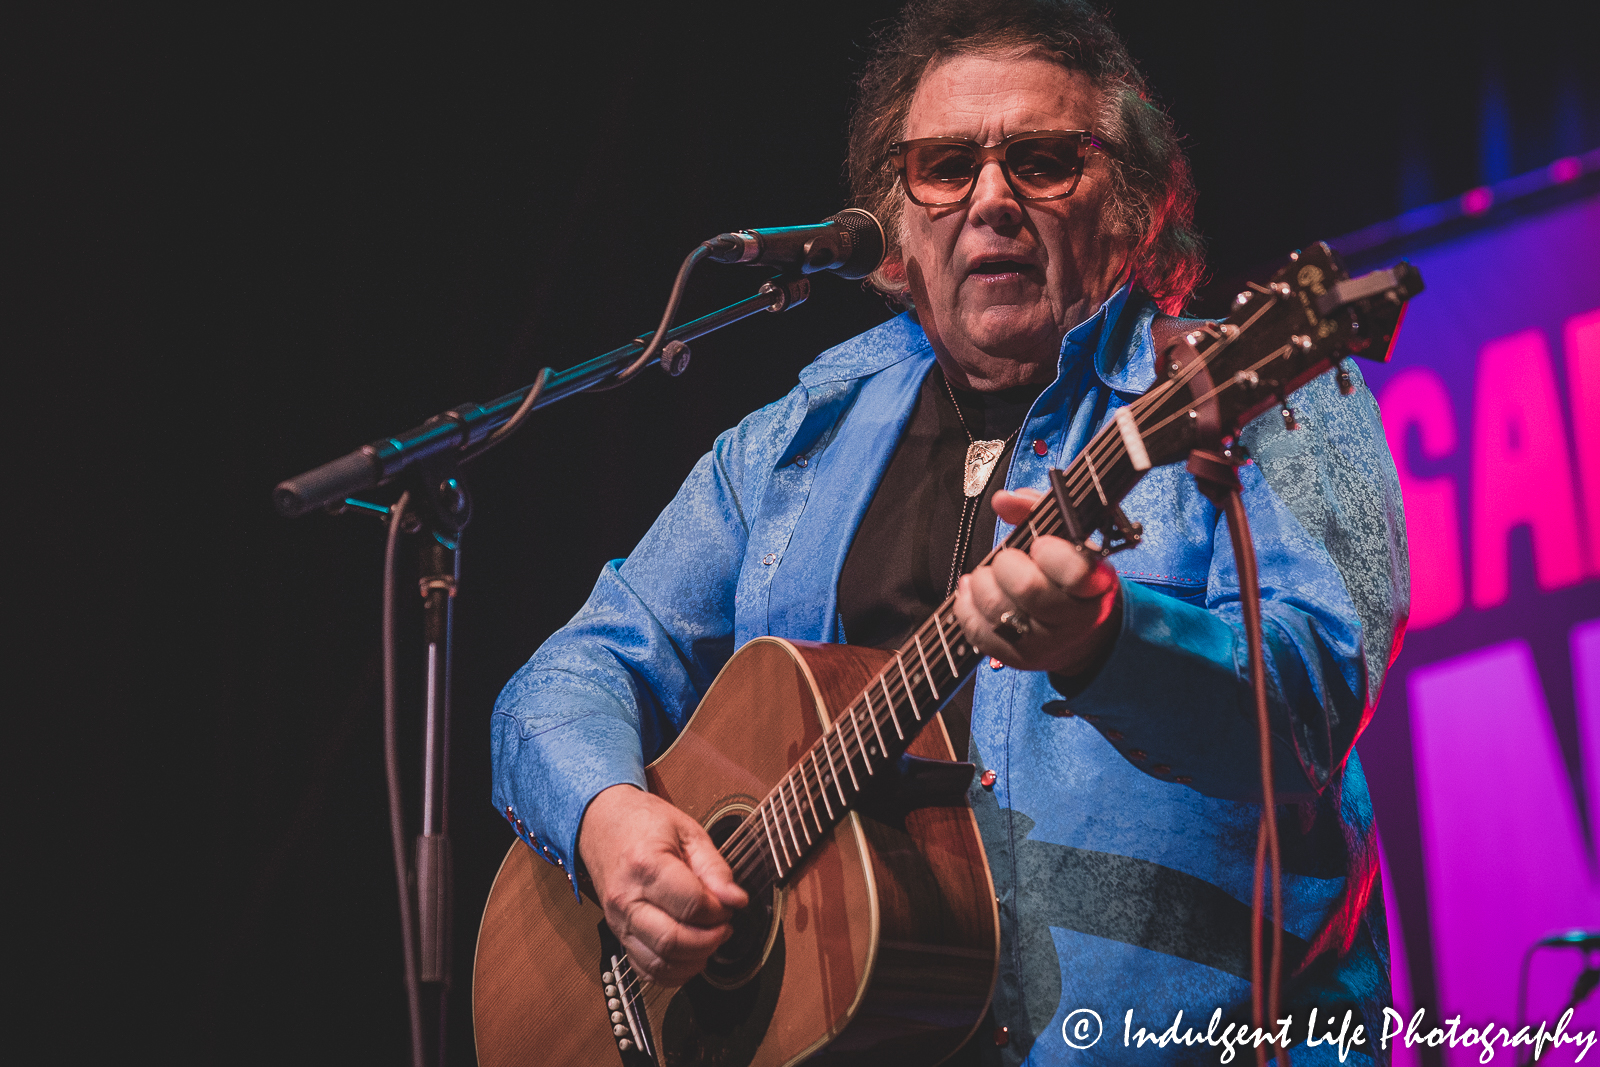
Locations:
(1014, 622)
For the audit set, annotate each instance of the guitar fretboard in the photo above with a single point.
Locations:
(874, 730)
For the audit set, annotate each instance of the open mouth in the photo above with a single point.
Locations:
(1001, 266)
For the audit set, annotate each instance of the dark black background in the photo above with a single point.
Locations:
(243, 242)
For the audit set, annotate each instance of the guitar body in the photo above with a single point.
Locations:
(881, 945)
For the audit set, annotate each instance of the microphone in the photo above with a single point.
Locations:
(1584, 939)
(850, 244)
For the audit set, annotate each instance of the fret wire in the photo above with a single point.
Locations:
(866, 694)
(909, 694)
(776, 863)
(799, 816)
(843, 803)
(1043, 523)
(1106, 444)
(799, 777)
(883, 680)
(822, 787)
(1089, 461)
(927, 675)
(1110, 459)
(788, 821)
(896, 720)
(865, 762)
(1164, 388)
(938, 624)
(883, 751)
(810, 799)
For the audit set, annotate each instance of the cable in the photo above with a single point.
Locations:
(513, 424)
(1244, 555)
(652, 350)
(391, 770)
(679, 285)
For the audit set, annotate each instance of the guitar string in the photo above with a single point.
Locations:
(745, 853)
(744, 849)
(744, 845)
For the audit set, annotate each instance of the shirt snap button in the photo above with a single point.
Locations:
(769, 559)
(988, 779)
(995, 664)
(1040, 447)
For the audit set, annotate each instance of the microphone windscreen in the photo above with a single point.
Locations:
(867, 242)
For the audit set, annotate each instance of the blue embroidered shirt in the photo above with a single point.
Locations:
(1121, 827)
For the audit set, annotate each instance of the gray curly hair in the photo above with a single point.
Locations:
(1151, 193)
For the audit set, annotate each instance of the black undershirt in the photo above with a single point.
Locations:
(899, 563)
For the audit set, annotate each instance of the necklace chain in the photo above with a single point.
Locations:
(982, 457)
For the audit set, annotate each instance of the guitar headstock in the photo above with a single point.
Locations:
(1279, 336)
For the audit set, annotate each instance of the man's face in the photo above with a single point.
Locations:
(998, 281)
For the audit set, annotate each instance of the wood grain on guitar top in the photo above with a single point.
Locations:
(888, 940)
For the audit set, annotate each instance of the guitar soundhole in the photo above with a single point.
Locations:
(754, 927)
(720, 1017)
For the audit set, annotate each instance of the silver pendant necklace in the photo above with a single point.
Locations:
(981, 459)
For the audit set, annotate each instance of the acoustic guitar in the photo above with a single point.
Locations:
(825, 775)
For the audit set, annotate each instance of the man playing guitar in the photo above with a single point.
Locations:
(1038, 213)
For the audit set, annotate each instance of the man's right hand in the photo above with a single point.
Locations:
(667, 892)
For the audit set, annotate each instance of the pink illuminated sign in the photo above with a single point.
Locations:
(1484, 755)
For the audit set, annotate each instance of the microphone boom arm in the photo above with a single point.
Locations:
(466, 426)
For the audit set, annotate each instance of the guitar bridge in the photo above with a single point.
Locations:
(624, 1009)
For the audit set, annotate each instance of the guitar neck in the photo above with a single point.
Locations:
(873, 731)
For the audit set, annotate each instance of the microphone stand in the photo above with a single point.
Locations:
(426, 460)
(456, 435)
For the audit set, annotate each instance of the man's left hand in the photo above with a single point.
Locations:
(1052, 608)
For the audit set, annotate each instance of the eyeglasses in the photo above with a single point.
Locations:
(1037, 164)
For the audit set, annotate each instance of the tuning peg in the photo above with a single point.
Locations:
(1347, 384)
